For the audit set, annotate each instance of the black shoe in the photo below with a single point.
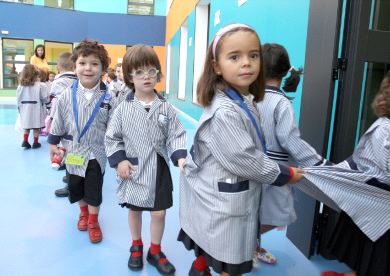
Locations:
(136, 263)
(194, 272)
(65, 179)
(163, 268)
(26, 145)
(36, 145)
(62, 192)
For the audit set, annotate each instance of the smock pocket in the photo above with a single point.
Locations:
(235, 198)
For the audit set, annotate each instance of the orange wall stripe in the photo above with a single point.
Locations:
(160, 51)
(115, 52)
(178, 12)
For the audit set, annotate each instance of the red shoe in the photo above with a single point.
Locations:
(95, 234)
(331, 273)
(82, 224)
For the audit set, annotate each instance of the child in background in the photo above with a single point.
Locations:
(116, 84)
(109, 76)
(31, 98)
(50, 78)
(82, 115)
(222, 182)
(355, 239)
(61, 82)
(284, 143)
(145, 118)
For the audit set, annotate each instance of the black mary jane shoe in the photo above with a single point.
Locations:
(194, 272)
(36, 145)
(26, 145)
(136, 263)
(164, 268)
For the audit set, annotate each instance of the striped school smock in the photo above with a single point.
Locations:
(31, 102)
(91, 145)
(221, 188)
(285, 146)
(138, 136)
(360, 186)
(123, 92)
(60, 83)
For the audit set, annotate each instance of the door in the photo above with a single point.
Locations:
(347, 56)
(366, 61)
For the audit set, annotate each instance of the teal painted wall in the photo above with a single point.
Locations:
(116, 6)
(280, 21)
(160, 7)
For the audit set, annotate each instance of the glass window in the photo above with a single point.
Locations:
(20, 1)
(380, 15)
(16, 54)
(143, 7)
(54, 50)
(373, 75)
(62, 4)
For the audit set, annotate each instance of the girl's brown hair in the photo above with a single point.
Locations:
(92, 47)
(43, 74)
(381, 103)
(209, 81)
(29, 75)
(136, 57)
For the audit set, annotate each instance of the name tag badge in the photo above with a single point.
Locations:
(74, 159)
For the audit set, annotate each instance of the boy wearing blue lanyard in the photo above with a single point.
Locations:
(83, 112)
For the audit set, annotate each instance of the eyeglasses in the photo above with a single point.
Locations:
(140, 73)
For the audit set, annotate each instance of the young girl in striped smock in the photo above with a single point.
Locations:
(221, 186)
(282, 136)
(81, 118)
(365, 246)
(31, 98)
(142, 136)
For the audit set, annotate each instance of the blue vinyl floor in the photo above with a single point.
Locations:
(39, 234)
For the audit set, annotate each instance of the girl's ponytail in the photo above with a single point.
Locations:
(291, 83)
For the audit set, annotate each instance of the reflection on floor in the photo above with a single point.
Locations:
(39, 235)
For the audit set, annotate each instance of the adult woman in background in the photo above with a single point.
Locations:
(38, 59)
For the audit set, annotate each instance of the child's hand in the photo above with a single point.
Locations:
(180, 163)
(124, 169)
(297, 175)
(54, 151)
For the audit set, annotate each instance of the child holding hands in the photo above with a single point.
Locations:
(222, 182)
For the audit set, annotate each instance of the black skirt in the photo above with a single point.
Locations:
(351, 246)
(217, 266)
(164, 187)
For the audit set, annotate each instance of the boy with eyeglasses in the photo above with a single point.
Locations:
(141, 137)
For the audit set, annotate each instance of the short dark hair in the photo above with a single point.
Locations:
(29, 75)
(381, 103)
(137, 56)
(111, 73)
(277, 65)
(92, 47)
(36, 51)
(43, 75)
(209, 81)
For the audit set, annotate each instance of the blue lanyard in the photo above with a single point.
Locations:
(232, 94)
(76, 113)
